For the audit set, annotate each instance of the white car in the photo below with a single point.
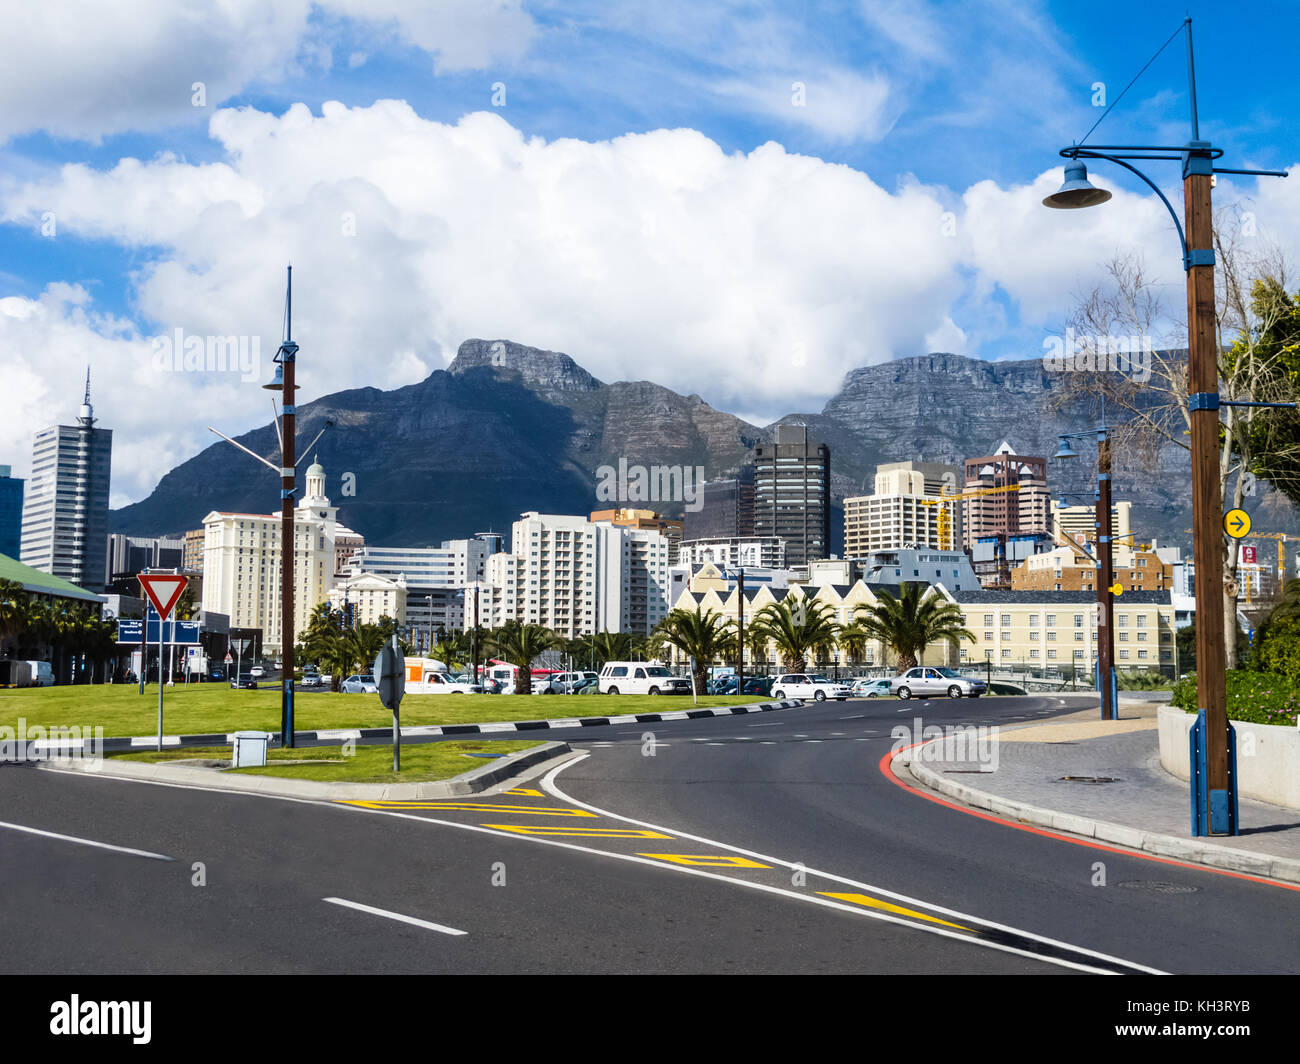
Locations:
(640, 678)
(257, 672)
(801, 685)
(925, 681)
(359, 685)
(441, 683)
(869, 688)
(562, 683)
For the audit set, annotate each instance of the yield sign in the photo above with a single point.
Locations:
(163, 589)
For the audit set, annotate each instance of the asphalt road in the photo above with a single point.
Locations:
(762, 843)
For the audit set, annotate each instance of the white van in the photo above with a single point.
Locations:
(640, 678)
(42, 673)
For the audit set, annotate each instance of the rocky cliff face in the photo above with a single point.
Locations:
(508, 428)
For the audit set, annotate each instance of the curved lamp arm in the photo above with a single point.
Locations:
(1091, 153)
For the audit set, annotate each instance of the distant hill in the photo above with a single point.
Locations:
(508, 428)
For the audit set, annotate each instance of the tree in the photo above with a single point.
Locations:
(704, 637)
(611, 646)
(519, 644)
(796, 629)
(324, 643)
(14, 611)
(1148, 413)
(853, 641)
(909, 623)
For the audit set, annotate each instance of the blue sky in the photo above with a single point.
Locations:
(932, 107)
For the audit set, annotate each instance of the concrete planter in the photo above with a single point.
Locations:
(1268, 756)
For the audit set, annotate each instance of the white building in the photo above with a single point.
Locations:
(904, 510)
(241, 563)
(766, 552)
(370, 597)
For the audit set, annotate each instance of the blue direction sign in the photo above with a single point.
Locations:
(177, 632)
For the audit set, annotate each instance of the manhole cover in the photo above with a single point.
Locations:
(1159, 888)
(1090, 779)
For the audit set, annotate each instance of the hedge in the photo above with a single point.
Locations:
(1258, 697)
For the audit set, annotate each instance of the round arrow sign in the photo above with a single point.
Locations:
(1236, 523)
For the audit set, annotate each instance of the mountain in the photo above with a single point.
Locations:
(508, 428)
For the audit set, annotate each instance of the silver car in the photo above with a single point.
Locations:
(925, 680)
(360, 685)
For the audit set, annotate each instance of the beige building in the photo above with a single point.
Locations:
(1070, 568)
(372, 597)
(192, 554)
(241, 563)
(904, 510)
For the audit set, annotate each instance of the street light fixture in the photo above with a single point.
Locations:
(1214, 784)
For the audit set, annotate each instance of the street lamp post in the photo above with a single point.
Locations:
(1214, 805)
(1107, 681)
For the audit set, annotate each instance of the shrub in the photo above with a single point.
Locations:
(1142, 681)
(1279, 651)
(1258, 697)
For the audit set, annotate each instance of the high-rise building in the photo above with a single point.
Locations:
(792, 493)
(1079, 524)
(192, 558)
(905, 510)
(646, 519)
(1021, 508)
(241, 563)
(65, 513)
(11, 513)
(726, 509)
(130, 555)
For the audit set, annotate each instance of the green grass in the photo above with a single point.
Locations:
(214, 707)
(368, 764)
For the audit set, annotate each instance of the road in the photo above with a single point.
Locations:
(767, 842)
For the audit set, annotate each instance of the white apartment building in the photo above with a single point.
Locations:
(241, 563)
(370, 597)
(904, 510)
(765, 552)
(576, 576)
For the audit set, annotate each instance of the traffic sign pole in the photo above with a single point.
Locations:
(163, 590)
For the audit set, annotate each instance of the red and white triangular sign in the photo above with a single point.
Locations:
(163, 590)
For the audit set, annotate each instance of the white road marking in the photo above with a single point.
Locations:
(549, 785)
(856, 716)
(394, 916)
(86, 842)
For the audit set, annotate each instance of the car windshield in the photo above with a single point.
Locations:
(367, 679)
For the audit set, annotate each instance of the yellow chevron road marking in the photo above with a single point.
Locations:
(710, 860)
(604, 833)
(474, 807)
(876, 903)
(527, 792)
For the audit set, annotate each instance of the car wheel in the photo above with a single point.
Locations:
(872, 695)
(904, 692)
(954, 691)
(653, 691)
(779, 694)
(612, 691)
(819, 696)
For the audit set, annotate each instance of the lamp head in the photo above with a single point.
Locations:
(1065, 450)
(1077, 191)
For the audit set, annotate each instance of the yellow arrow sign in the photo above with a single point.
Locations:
(1116, 588)
(1236, 523)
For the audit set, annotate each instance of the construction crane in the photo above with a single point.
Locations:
(1281, 538)
(945, 522)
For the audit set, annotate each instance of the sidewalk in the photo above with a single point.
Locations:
(1141, 806)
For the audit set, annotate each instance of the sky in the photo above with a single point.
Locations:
(738, 199)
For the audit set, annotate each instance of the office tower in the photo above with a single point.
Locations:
(11, 513)
(792, 487)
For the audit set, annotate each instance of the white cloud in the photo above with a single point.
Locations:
(756, 280)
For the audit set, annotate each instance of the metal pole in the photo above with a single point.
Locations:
(473, 638)
(1207, 501)
(1106, 577)
(288, 354)
(740, 669)
(160, 679)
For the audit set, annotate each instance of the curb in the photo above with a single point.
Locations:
(146, 742)
(474, 781)
(1286, 869)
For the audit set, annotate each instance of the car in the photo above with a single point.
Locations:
(754, 685)
(563, 683)
(441, 683)
(491, 686)
(216, 674)
(359, 684)
(587, 687)
(866, 687)
(640, 678)
(257, 672)
(926, 680)
(310, 678)
(245, 682)
(801, 685)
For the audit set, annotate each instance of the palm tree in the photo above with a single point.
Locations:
(853, 641)
(611, 646)
(909, 623)
(796, 629)
(704, 637)
(324, 642)
(14, 611)
(519, 644)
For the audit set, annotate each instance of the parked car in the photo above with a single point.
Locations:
(865, 687)
(442, 683)
(246, 682)
(491, 686)
(257, 672)
(587, 687)
(310, 678)
(754, 685)
(358, 685)
(924, 680)
(801, 685)
(215, 674)
(640, 678)
(563, 683)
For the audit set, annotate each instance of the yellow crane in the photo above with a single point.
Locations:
(945, 521)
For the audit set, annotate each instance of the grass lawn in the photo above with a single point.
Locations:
(368, 764)
(214, 707)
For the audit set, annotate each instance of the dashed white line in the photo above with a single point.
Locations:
(85, 842)
(395, 916)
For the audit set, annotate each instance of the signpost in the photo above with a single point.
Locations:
(390, 677)
(163, 590)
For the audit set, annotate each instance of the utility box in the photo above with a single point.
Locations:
(250, 748)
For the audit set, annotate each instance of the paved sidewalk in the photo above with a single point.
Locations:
(1141, 806)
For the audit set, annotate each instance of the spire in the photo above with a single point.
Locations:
(87, 416)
